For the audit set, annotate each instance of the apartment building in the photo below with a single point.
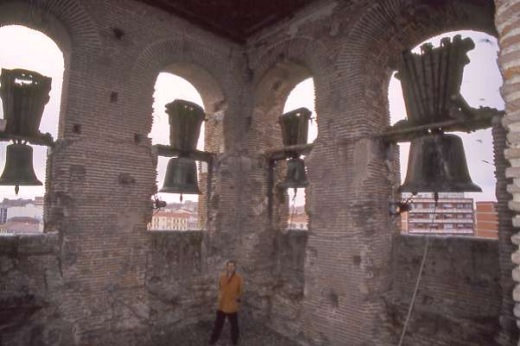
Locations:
(452, 215)
(172, 220)
(486, 220)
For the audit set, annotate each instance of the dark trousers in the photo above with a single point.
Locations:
(219, 323)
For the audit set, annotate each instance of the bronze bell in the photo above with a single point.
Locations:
(437, 163)
(296, 176)
(24, 96)
(18, 168)
(181, 177)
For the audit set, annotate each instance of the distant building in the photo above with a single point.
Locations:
(21, 225)
(171, 220)
(29, 210)
(297, 221)
(486, 220)
(453, 215)
(18, 216)
(3, 215)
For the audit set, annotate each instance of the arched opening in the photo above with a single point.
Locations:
(182, 210)
(273, 98)
(301, 96)
(468, 214)
(30, 50)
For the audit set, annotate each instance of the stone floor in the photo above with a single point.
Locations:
(251, 334)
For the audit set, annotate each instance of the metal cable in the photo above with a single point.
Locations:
(293, 207)
(416, 289)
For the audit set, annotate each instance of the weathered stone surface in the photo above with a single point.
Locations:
(103, 279)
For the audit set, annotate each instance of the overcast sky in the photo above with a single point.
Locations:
(35, 51)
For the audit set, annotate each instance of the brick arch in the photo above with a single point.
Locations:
(66, 22)
(276, 72)
(307, 51)
(379, 37)
(388, 27)
(203, 68)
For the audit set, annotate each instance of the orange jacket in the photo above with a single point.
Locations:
(229, 292)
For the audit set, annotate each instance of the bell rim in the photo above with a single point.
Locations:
(21, 183)
(468, 187)
(176, 190)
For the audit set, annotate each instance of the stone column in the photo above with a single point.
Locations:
(506, 21)
(509, 330)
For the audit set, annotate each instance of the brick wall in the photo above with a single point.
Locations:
(288, 285)
(506, 23)
(29, 278)
(486, 220)
(102, 169)
(348, 249)
(181, 290)
(117, 278)
(455, 303)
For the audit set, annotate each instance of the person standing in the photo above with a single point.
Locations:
(229, 295)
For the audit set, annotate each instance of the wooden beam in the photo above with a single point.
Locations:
(168, 151)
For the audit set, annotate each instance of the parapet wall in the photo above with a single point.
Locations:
(459, 296)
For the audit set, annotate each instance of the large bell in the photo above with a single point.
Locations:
(185, 121)
(431, 80)
(181, 177)
(295, 126)
(18, 168)
(24, 95)
(296, 176)
(437, 164)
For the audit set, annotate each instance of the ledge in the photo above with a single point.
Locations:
(29, 244)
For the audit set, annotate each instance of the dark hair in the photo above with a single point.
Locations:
(231, 261)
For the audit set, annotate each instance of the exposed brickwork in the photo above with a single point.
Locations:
(182, 291)
(30, 278)
(341, 283)
(288, 287)
(506, 22)
(509, 331)
(348, 248)
(455, 304)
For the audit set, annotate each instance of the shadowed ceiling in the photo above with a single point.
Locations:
(234, 19)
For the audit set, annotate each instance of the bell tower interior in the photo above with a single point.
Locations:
(115, 263)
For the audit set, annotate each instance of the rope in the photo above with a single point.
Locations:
(416, 289)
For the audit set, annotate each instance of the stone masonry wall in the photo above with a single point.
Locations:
(288, 286)
(459, 296)
(506, 18)
(180, 292)
(29, 279)
(349, 49)
(102, 168)
(117, 284)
